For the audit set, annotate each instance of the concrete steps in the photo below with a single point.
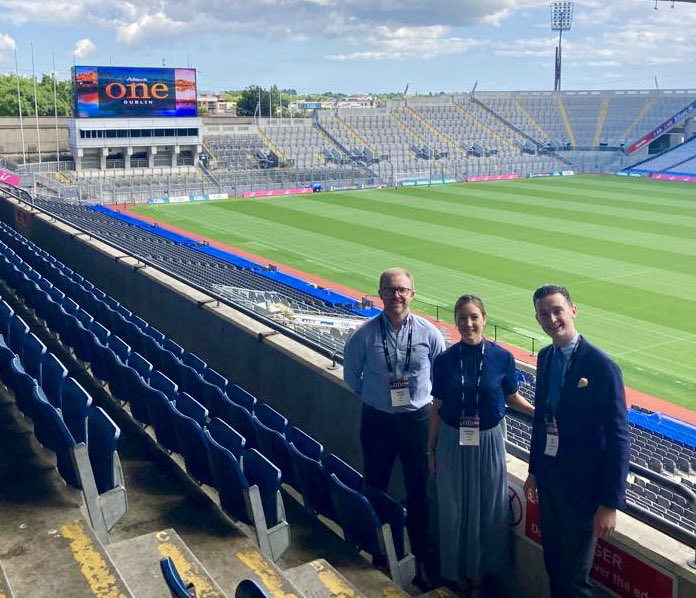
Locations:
(138, 561)
(318, 579)
(47, 548)
(69, 560)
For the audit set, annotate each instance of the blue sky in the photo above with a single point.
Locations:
(361, 45)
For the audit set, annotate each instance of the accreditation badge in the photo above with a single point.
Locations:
(400, 393)
(551, 439)
(469, 431)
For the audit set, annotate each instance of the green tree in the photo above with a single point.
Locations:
(255, 96)
(44, 96)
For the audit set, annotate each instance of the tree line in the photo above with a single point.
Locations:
(44, 96)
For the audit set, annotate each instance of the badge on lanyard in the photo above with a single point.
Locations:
(400, 393)
(469, 425)
(399, 389)
(469, 431)
(551, 438)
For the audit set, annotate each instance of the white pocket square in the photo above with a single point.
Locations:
(583, 382)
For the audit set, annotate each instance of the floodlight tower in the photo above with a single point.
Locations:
(561, 20)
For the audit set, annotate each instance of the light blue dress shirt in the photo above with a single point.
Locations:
(365, 366)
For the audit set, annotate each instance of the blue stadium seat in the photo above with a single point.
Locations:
(363, 527)
(260, 472)
(192, 443)
(344, 472)
(227, 437)
(135, 392)
(176, 585)
(140, 365)
(22, 386)
(75, 405)
(169, 345)
(268, 511)
(103, 436)
(240, 419)
(189, 407)
(6, 357)
(33, 352)
(195, 362)
(230, 481)
(241, 397)
(17, 330)
(53, 434)
(270, 428)
(312, 480)
(214, 377)
(170, 365)
(119, 347)
(162, 383)
(53, 373)
(250, 588)
(161, 413)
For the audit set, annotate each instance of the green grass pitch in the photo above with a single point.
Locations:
(625, 247)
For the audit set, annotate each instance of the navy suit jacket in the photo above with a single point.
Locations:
(593, 453)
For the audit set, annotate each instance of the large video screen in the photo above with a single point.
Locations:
(125, 92)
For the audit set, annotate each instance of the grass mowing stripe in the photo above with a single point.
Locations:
(657, 355)
(578, 211)
(530, 229)
(594, 226)
(465, 234)
(516, 272)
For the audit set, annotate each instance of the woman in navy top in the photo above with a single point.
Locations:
(472, 383)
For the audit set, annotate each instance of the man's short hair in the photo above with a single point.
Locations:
(551, 289)
(391, 271)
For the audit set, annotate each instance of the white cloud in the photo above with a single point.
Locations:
(408, 42)
(157, 25)
(84, 48)
(7, 43)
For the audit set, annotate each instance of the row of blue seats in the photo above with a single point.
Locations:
(82, 437)
(211, 430)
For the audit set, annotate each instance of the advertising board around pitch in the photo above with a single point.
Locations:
(131, 92)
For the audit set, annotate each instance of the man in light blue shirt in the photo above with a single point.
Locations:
(387, 363)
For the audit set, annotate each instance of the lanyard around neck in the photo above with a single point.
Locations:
(479, 371)
(387, 357)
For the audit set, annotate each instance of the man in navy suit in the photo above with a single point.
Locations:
(580, 445)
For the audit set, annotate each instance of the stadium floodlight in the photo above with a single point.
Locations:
(561, 20)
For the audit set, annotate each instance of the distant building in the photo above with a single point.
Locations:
(212, 104)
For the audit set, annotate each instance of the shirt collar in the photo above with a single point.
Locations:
(569, 347)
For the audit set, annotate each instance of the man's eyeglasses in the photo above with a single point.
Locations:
(401, 291)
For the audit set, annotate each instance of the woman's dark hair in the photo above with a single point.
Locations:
(464, 299)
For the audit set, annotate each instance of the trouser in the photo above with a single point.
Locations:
(568, 539)
(386, 436)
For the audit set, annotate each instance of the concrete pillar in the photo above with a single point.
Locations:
(151, 156)
(175, 155)
(102, 158)
(128, 154)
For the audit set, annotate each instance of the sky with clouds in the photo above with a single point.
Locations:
(361, 45)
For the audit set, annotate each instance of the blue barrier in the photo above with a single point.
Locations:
(665, 425)
(298, 284)
(158, 230)
(233, 259)
(325, 295)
